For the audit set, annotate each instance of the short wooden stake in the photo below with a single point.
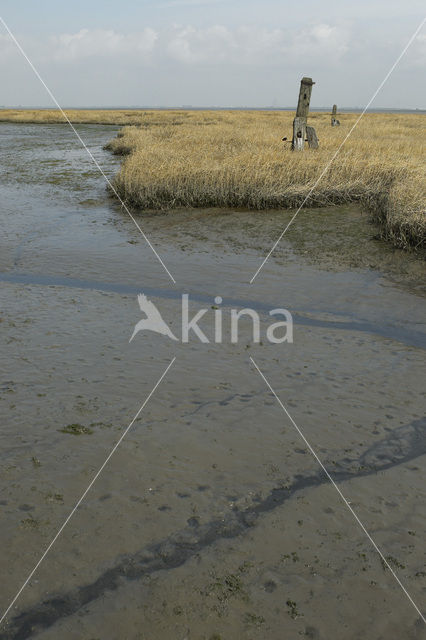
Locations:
(334, 121)
(312, 137)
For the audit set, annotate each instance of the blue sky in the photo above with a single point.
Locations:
(211, 52)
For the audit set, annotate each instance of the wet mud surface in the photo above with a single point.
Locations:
(404, 445)
(212, 520)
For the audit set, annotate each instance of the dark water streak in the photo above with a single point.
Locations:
(403, 445)
(408, 337)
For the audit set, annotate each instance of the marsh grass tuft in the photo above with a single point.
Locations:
(237, 159)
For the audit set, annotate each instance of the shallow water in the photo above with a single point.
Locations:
(211, 519)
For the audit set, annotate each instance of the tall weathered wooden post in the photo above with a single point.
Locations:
(334, 120)
(300, 128)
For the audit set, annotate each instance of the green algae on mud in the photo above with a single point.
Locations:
(76, 429)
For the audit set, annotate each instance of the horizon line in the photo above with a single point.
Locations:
(186, 107)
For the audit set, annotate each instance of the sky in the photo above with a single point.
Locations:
(219, 53)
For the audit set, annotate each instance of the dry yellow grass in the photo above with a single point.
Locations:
(77, 116)
(237, 159)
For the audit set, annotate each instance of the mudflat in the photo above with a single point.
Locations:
(212, 519)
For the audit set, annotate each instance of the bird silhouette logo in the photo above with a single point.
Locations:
(153, 320)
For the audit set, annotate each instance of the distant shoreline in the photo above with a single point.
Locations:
(190, 108)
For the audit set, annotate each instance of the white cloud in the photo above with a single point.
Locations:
(172, 57)
(255, 45)
(218, 64)
(322, 39)
(201, 45)
(99, 42)
(189, 45)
